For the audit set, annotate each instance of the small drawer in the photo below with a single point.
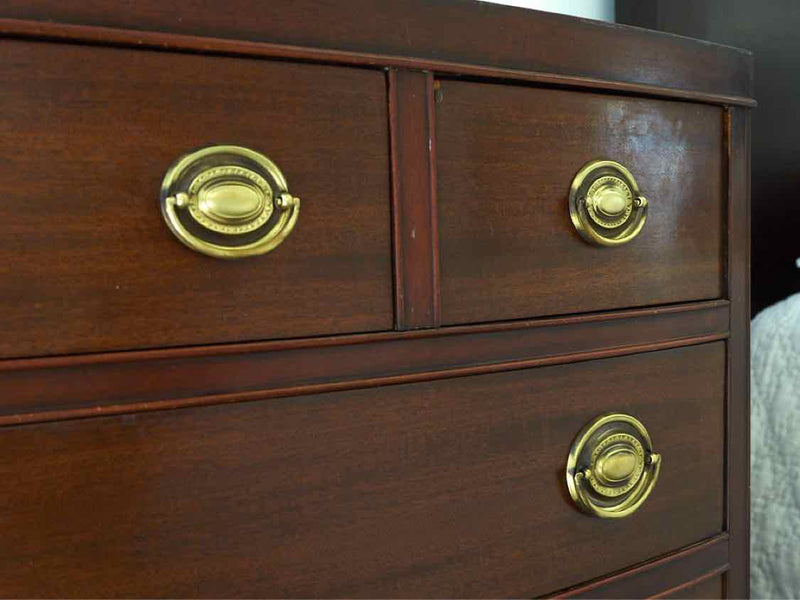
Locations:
(90, 264)
(506, 160)
(450, 488)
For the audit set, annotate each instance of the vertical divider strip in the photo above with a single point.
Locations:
(738, 389)
(414, 227)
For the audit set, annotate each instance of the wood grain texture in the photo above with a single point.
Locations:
(770, 34)
(506, 158)
(453, 30)
(358, 461)
(95, 268)
(670, 574)
(452, 488)
(154, 40)
(738, 445)
(416, 244)
(88, 385)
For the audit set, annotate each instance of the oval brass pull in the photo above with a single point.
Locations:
(228, 202)
(611, 468)
(605, 205)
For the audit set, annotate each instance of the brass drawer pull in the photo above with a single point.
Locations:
(228, 202)
(605, 205)
(611, 468)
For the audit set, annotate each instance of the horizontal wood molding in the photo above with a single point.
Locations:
(661, 577)
(48, 389)
(709, 585)
(687, 87)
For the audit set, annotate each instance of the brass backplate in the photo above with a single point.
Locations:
(228, 202)
(605, 205)
(611, 467)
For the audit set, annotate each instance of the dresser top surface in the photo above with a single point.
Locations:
(453, 31)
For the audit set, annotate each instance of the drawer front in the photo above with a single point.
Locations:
(506, 157)
(91, 265)
(447, 488)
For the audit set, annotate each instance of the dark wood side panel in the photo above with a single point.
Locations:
(462, 31)
(94, 267)
(683, 570)
(65, 387)
(450, 488)
(416, 251)
(739, 353)
(506, 156)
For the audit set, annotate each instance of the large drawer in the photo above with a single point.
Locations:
(89, 263)
(506, 158)
(451, 488)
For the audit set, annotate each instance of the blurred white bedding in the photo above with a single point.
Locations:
(775, 451)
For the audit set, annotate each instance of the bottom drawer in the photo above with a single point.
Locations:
(446, 488)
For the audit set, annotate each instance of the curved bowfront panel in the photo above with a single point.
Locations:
(554, 203)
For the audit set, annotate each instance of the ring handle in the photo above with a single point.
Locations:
(611, 467)
(228, 202)
(605, 205)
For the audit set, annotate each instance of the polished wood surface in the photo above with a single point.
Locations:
(90, 385)
(506, 156)
(416, 243)
(160, 441)
(456, 30)
(156, 40)
(770, 32)
(298, 496)
(738, 580)
(667, 575)
(95, 268)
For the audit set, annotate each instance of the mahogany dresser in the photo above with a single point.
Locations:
(320, 298)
